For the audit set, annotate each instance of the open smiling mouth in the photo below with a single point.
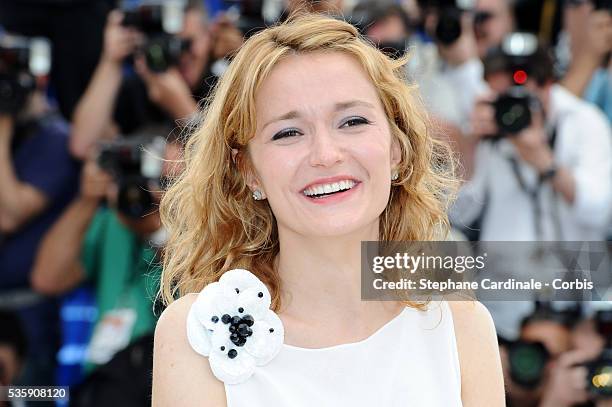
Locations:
(325, 190)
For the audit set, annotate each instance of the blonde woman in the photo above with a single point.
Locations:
(312, 143)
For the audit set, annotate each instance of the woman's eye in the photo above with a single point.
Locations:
(354, 121)
(285, 133)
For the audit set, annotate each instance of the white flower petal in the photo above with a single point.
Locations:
(205, 305)
(220, 336)
(239, 279)
(253, 304)
(264, 345)
(197, 334)
(232, 371)
(227, 305)
(212, 303)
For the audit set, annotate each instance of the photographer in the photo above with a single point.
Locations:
(543, 163)
(555, 360)
(113, 247)
(543, 160)
(38, 179)
(74, 28)
(158, 95)
(446, 64)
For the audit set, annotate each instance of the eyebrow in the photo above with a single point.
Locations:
(337, 107)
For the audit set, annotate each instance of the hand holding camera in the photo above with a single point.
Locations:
(134, 168)
(482, 119)
(167, 89)
(532, 145)
(95, 183)
(119, 41)
(514, 116)
(227, 37)
(567, 384)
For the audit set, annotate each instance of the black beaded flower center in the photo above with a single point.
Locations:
(240, 329)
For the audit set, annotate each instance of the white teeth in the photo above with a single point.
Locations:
(329, 188)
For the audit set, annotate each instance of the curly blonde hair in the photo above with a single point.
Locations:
(213, 223)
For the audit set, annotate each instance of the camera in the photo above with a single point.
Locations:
(599, 378)
(527, 362)
(528, 359)
(136, 164)
(369, 15)
(448, 27)
(521, 58)
(513, 110)
(160, 22)
(250, 18)
(22, 59)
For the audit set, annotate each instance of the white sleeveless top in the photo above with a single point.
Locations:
(410, 361)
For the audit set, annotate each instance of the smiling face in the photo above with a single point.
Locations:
(322, 154)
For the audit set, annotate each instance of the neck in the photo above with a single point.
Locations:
(321, 276)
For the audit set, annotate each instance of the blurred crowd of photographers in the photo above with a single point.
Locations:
(98, 96)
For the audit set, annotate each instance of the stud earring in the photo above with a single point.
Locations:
(395, 176)
(257, 195)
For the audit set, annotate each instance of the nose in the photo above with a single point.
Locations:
(325, 149)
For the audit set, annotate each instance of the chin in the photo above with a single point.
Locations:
(336, 226)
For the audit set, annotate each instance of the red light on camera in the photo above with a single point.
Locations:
(520, 77)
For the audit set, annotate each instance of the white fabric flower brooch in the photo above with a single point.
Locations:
(231, 322)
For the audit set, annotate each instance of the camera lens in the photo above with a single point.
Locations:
(512, 111)
(527, 362)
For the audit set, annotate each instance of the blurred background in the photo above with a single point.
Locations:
(93, 93)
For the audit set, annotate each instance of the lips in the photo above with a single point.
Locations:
(326, 187)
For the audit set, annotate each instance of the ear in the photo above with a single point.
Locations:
(396, 152)
(248, 172)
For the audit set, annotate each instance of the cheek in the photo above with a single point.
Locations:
(275, 166)
(375, 151)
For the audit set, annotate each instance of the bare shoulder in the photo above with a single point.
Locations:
(471, 320)
(181, 376)
(482, 382)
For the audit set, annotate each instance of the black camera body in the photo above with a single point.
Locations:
(163, 51)
(21, 61)
(159, 22)
(250, 16)
(136, 166)
(449, 13)
(513, 110)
